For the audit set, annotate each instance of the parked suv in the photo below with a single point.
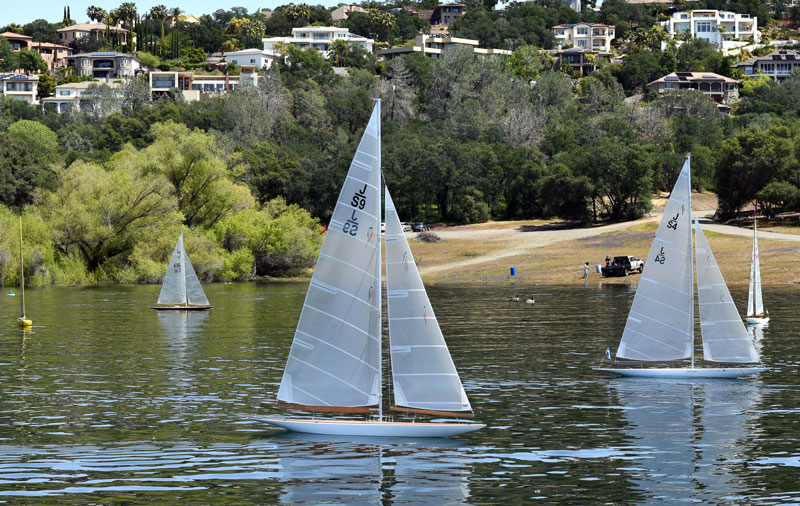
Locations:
(406, 226)
(420, 227)
(622, 266)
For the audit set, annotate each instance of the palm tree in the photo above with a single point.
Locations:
(95, 13)
(295, 13)
(159, 12)
(339, 51)
(175, 12)
(252, 28)
(382, 22)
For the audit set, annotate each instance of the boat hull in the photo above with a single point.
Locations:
(681, 373)
(757, 321)
(370, 428)
(181, 308)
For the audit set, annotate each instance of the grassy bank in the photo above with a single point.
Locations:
(562, 262)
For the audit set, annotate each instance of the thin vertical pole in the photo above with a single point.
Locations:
(691, 245)
(183, 271)
(21, 274)
(380, 268)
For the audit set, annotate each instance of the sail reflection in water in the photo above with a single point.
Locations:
(697, 431)
(315, 471)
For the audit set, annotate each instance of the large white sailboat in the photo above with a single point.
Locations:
(181, 289)
(334, 364)
(660, 325)
(756, 314)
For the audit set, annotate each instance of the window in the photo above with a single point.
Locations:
(163, 82)
(668, 86)
(703, 26)
(581, 43)
(252, 60)
(447, 21)
(583, 31)
(62, 107)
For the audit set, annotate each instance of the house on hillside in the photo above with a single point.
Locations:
(776, 65)
(447, 14)
(258, 58)
(68, 96)
(105, 65)
(723, 90)
(344, 11)
(434, 46)
(19, 87)
(317, 37)
(72, 33)
(55, 55)
(200, 86)
(717, 27)
(593, 36)
(581, 61)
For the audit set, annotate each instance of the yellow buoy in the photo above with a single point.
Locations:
(24, 322)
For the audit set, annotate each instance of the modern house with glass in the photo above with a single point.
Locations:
(317, 37)
(105, 65)
(716, 27)
(723, 90)
(200, 86)
(437, 45)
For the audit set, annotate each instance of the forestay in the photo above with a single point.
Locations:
(755, 302)
(724, 336)
(659, 325)
(423, 373)
(335, 355)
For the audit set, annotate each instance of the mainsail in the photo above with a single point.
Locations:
(335, 355)
(755, 302)
(724, 336)
(423, 371)
(181, 285)
(660, 322)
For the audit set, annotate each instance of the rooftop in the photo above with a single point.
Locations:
(692, 77)
(87, 27)
(12, 35)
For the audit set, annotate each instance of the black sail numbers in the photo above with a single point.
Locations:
(359, 201)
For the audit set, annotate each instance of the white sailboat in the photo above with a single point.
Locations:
(756, 314)
(334, 364)
(660, 325)
(181, 289)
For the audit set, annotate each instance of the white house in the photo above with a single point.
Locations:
(200, 86)
(105, 64)
(69, 95)
(258, 58)
(437, 45)
(717, 27)
(594, 36)
(318, 37)
(777, 65)
(19, 87)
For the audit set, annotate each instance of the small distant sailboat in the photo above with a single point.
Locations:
(23, 320)
(756, 314)
(181, 289)
(660, 326)
(335, 365)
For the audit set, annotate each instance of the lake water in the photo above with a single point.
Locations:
(106, 401)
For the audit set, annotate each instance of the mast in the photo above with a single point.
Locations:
(380, 281)
(183, 269)
(691, 249)
(21, 274)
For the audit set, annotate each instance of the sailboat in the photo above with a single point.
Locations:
(23, 320)
(334, 364)
(660, 325)
(181, 290)
(756, 314)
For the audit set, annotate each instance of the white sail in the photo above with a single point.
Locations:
(335, 355)
(181, 285)
(755, 302)
(424, 376)
(724, 336)
(195, 295)
(659, 325)
(173, 289)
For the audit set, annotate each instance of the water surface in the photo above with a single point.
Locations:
(106, 401)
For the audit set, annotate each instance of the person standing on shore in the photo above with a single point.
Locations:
(585, 270)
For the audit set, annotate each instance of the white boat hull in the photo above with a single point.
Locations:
(757, 321)
(681, 373)
(372, 428)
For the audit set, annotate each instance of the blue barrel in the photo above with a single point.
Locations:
(513, 271)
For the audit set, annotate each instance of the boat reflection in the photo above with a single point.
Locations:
(181, 325)
(324, 469)
(692, 435)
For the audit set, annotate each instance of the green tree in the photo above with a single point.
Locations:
(47, 86)
(95, 13)
(23, 169)
(779, 194)
(41, 30)
(31, 61)
(38, 137)
(8, 58)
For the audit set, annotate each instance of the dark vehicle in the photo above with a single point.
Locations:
(622, 266)
(420, 227)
